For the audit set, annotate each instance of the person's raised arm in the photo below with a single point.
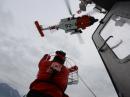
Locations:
(46, 57)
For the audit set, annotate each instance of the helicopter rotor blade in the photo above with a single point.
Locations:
(80, 38)
(91, 12)
(68, 7)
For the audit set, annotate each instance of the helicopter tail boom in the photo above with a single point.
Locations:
(40, 28)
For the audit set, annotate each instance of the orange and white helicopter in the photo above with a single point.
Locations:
(72, 24)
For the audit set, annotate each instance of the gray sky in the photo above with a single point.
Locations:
(21, 47)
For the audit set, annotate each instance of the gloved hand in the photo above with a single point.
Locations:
(73, 68)
(65, 95)
(46, 57)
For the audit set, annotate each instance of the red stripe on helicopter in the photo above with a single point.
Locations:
(83, 22)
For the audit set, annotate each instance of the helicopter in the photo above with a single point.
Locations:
(72, 24)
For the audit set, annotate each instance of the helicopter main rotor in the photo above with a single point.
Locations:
(68, 7)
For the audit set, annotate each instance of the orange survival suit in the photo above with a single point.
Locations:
(52, 77)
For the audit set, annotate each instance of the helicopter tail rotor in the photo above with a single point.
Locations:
(39, 28)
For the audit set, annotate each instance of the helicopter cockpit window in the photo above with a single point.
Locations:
(119, 28)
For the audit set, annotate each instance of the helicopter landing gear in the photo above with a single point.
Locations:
(76, 32)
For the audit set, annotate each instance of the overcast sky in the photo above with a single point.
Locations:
(21, 47)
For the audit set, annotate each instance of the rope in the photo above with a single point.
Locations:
(73, 76)
(87, 86)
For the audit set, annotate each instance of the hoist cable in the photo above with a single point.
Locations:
(87, 86)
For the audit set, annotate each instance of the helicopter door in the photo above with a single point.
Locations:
(112, 40)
